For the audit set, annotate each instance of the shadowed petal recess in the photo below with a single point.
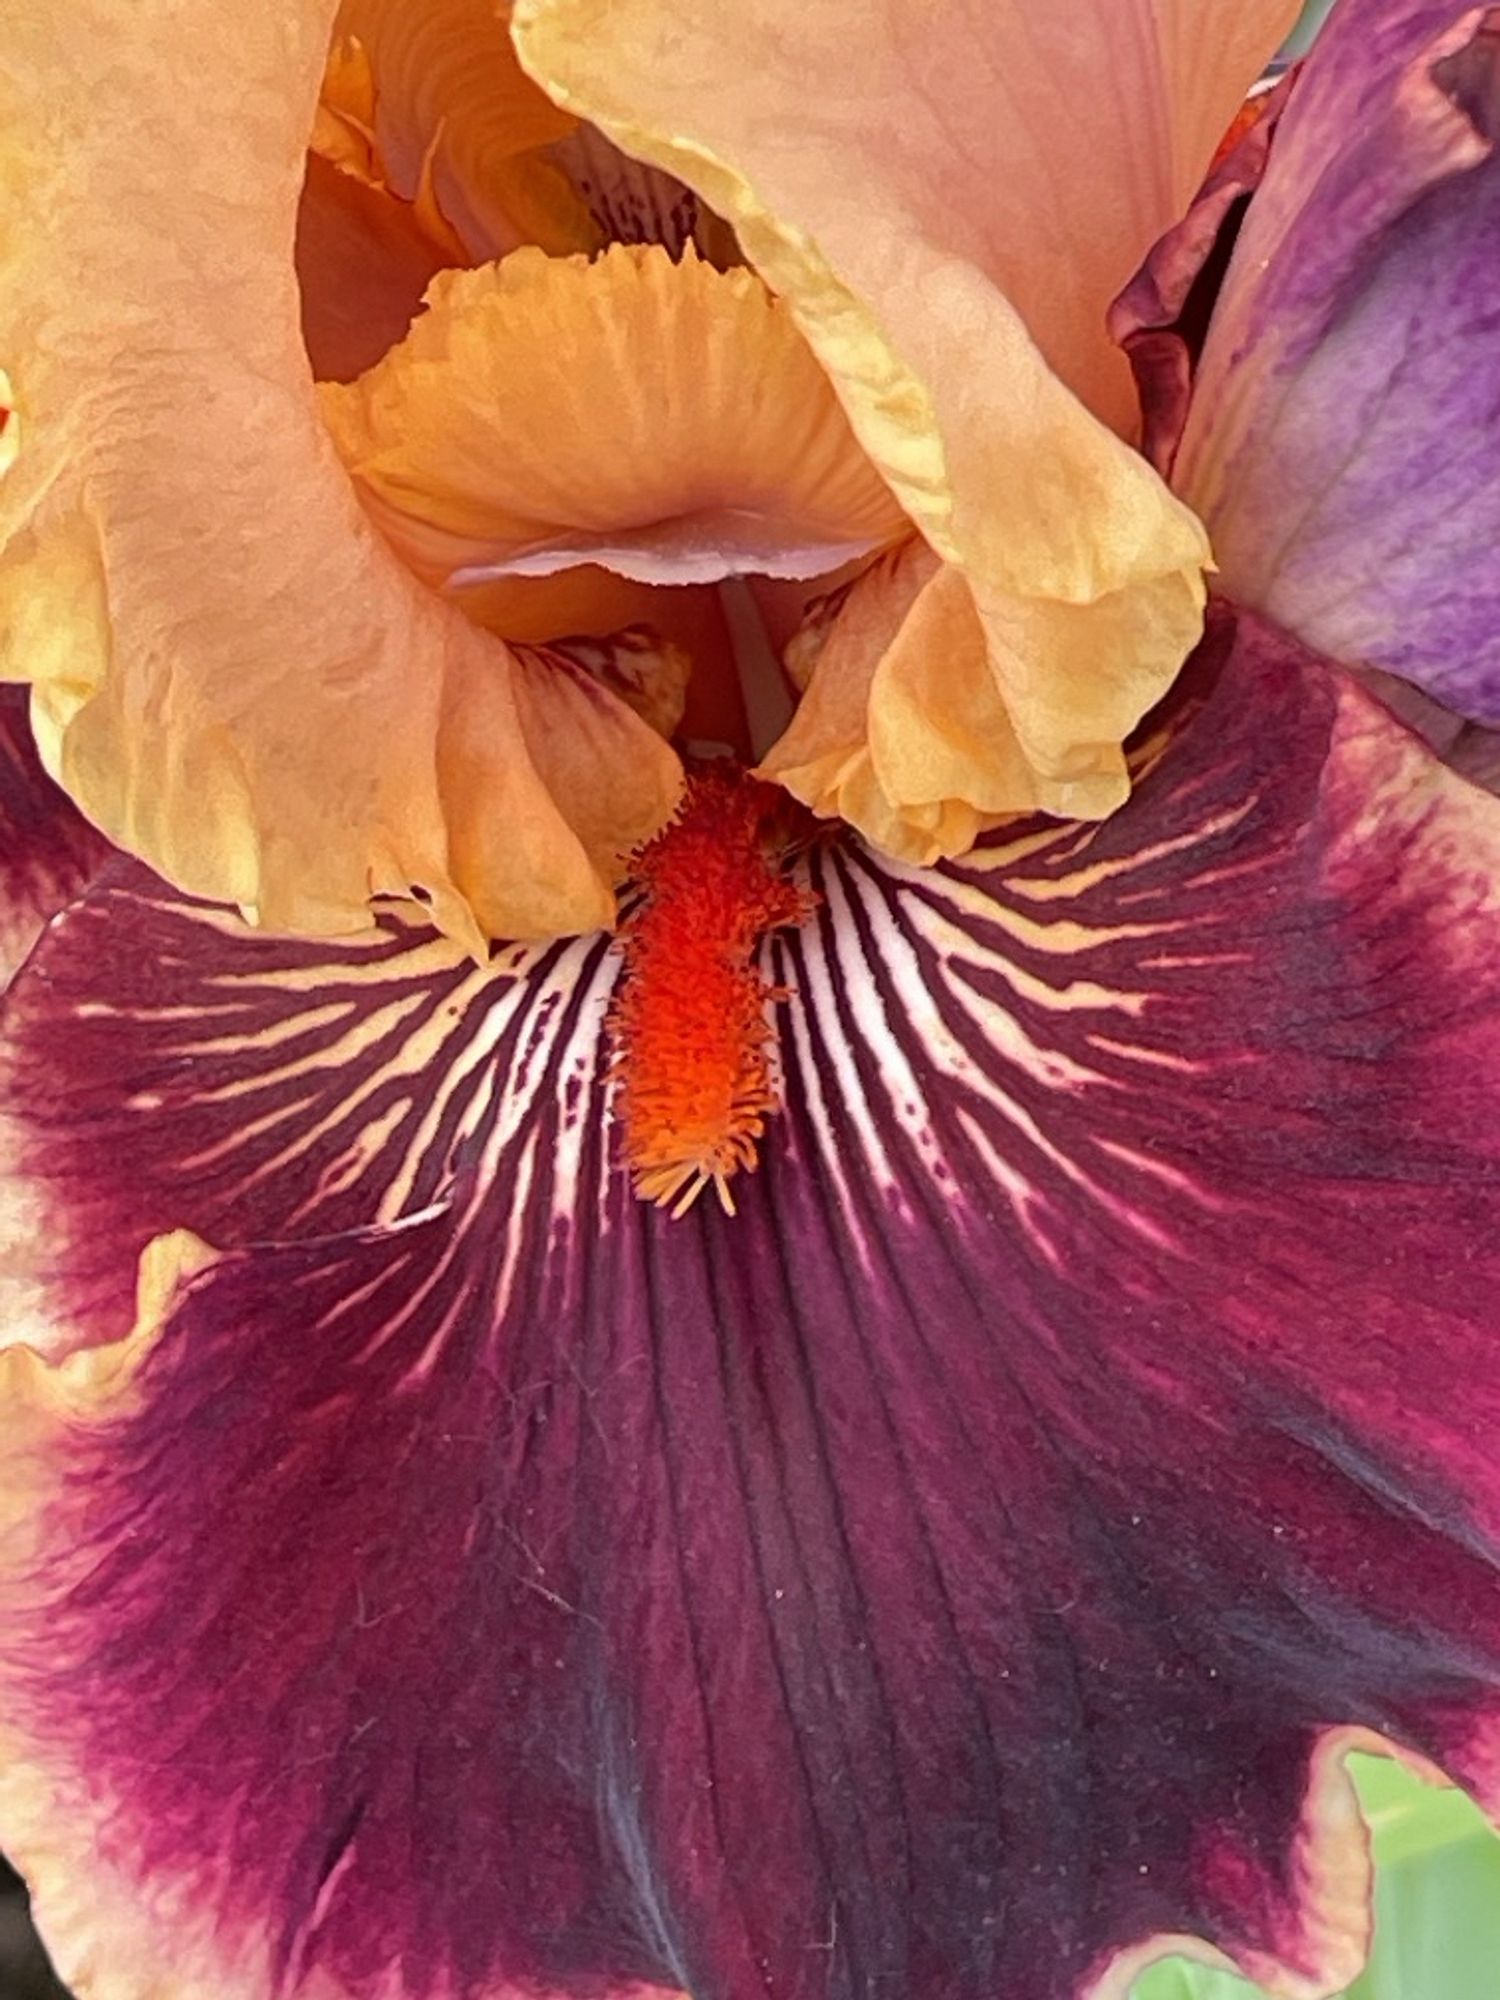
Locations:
(233, 675)
(1344, 438)
(363, 262)
(47, 849)
(967, 1565)
(947, 196)
(1161, 318)
(430, 148)
(661, 418)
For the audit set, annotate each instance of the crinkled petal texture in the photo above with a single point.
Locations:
(659, 417)
(967, 1565)
(233, 675)
(48, 851)
(947, 196)
(1344, 438)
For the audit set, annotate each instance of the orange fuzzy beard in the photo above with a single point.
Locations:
(691, 1028)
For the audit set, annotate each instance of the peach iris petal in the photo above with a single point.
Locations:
(344, 135)
(664, 419)
(947, 195)
(453, 120)
(903, 729)
(233, 675)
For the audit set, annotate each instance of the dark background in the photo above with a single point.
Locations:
(24, 1972)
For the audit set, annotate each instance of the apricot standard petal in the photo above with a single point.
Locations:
(233, 676)
(1043, 148)
(948, 196)
(662, 418)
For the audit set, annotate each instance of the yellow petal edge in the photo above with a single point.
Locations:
(232, 674)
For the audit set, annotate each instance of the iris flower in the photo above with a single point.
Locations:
(873, 1399)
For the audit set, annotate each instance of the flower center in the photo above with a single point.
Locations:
(630, 202)
(691, 1023)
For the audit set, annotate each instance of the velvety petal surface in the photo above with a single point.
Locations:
(1342, 444)
(233, 674)
(48, 850)
(968, 1563)
(947, 196)
(653, 415)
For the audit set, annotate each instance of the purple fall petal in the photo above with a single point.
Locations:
(941, 1576)
(1343, 444)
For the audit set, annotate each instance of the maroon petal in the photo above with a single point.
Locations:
(47, 849)
(965, 1565)
(1344, 435)
(1161, 319)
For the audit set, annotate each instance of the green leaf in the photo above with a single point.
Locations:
(1437, 1900)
